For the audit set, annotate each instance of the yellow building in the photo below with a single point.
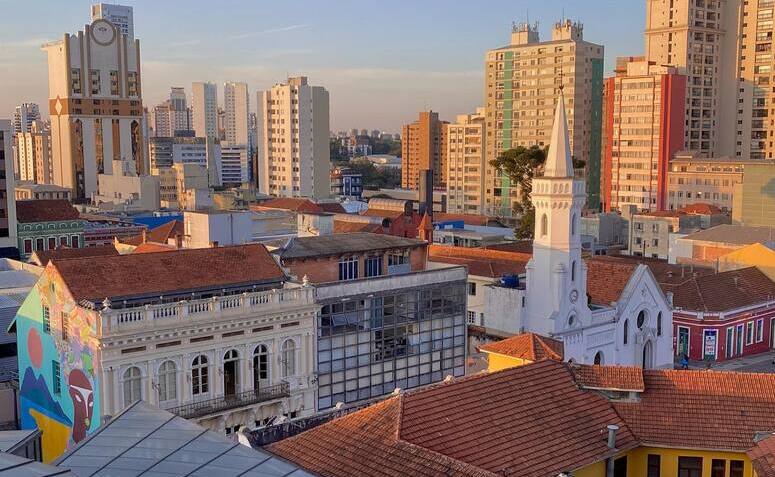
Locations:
(519, 350)
(754, 196)
(754, 255)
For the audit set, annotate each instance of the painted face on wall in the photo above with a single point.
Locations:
(81, 393)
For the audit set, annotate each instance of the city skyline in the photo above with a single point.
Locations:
(407, 49)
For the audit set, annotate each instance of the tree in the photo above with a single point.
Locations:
(374, 177)
(520, 165)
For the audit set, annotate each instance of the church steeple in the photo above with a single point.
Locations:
(559, 162)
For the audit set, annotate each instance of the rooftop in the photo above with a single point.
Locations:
(146, 441)
(733, 234)
(528, 346)
(42, 257)
(161, 234)
(45, 210)
(15, 466)
(163, 273)
(480, 262)
(346, 226)
(468, 219)
(723, 291)
(290, 203)
(762, 457)
(337, 244)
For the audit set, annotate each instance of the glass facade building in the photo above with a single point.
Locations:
(382, 339)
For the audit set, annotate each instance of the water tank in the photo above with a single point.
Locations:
(510, 281)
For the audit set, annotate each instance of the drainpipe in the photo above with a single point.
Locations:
(612, 428)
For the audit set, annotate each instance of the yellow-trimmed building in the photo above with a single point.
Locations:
(519, 350)
(754, 255)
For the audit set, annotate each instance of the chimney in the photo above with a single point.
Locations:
(145, 235)
(612, 428)
(178, 241)
(425, 205)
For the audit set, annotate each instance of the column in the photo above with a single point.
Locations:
(89, 157)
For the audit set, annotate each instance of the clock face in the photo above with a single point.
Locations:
(574, 295)
(103, 32)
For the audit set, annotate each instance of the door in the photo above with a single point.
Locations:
(230, 373)
(772, 333)
(683, 341)
(739, 336)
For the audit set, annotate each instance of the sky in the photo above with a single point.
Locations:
(382, 61)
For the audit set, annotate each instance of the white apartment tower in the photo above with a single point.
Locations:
(205, 109)
(293, 150)
(466, 163)
(23, 116)
(33, 151)
(119, 15)
(95, 104)
(179, 113)
(236, 106)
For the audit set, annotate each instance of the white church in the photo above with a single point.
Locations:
(604, 311)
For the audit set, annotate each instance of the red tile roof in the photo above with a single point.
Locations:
(290, 203)
(719, 410)
(167, 272)
(701, 209)
(529, 346)
(762, 457)
(161, 234)
(612, 378)
(45, 210)
(150, 247)
(346, 226)
(42, 257)
(480, 262)
(529, 421)
(606, 279)
(723, 291)
(520, 246)
(332, 207)
(384, 213)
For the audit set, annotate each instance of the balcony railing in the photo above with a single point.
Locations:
(213, 406)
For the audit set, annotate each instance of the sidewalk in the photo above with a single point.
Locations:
(760, 363)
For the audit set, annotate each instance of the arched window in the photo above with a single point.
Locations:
(199, 381)
(599, 358)
(659, 324)
(573, 271)
(626, 330)
(168, 386)
(573, 225)
(544, 225)
(260, 366)
(133, 387)
(288, 358)
(641, 319)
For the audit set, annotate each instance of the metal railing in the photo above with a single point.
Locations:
(224, 403)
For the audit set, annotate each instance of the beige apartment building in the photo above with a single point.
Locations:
(423, 147)
(204, 109)
(465, 156)
(699, 37)
(236, 106)
(95, 104)
(694, 179)
(33, 150)
(293, 133)
(522, 84)
(754, 196)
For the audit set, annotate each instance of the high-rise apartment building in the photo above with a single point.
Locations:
(95, 92)
(236, 106)
(33, 150)
(8, 242)
(293, 140)
(522, 83)
(235, 164)
(119, 15)
(205, 109)
(465, 157)
(172, 116)
(643, 127)
(160, 120)
(24, 115)
(423, 148)
(700, 37)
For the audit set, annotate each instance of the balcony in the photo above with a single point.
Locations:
(208, 407)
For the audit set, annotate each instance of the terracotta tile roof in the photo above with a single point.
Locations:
(480, 262)
(529, 346)
(42, 257)
(161, 273)
(332, 207)
(520, 246)
(606, 279)
(720, 410)
(290, 203)
(662, 213)
(384, 213)
(46, 210)
(529, 421)
(161, 234)
(723, 291)
(612, 378)
(345, 226)
(762, 457)
(150, 247)
(701, 209)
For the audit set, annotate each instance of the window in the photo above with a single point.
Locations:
(471, 317)
(398, 258)
(65, 325)
(374, 266)
(730, 349)
(718, 468)
(348, 268)
(168, 388)
(52, 243)
(199, 383)
(46, 320)
(573, 271)
(288, 358)
(28, 246)
(654, 465)
(56, 377)
(63, 241)
(132, 385)
(573, 225)
(641, 319)
(544, 225)
(598, 358)
(626, 330)
(736, 468)
(75, 242)
(659, 324)
(260, 365)
(472, 288)
(690, 467)
(39, 244)
(759, 330)
(749, 333)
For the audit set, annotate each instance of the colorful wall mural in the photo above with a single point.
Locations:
(57, 368)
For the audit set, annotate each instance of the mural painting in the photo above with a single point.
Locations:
(57, 367)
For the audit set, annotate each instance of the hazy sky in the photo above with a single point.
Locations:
(382, 61)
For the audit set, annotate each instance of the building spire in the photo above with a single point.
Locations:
(559, 162)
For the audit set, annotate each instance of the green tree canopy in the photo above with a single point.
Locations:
(520, 165)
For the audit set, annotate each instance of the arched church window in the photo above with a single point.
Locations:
(544, 225)
(599, 358)
(641, 319)
(659, 324)
(573, 225)
(626, 330)
(573, 271)
(571, 320)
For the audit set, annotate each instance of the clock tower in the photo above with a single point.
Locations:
(556, 275)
